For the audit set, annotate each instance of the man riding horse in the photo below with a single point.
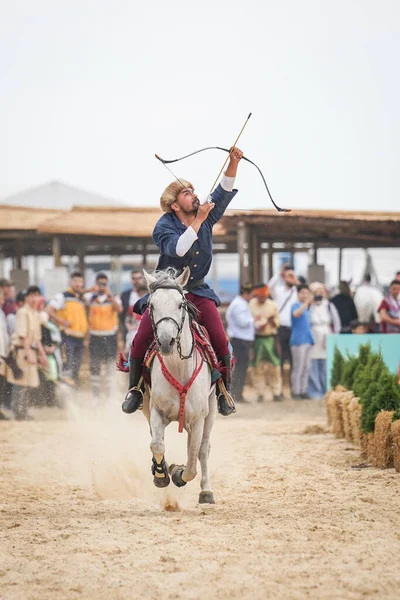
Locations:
(184, 236)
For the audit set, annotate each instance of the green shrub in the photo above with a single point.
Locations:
(349, 370)
(368, 374)
(382, 394)
(364, 355)
(337, 368)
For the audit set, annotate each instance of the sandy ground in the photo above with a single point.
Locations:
(80, 517)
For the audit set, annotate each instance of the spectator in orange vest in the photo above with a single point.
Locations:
(104, 309)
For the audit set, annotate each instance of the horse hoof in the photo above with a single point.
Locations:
(162, 482)
(176, 474)
(206, 498)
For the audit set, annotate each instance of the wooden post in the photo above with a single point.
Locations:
(315, 254)
(19, 252)
(255, 263)
(56, 248)
(81, 259)
(144, 256)
(340, 264)
(242, 251)
(270, 260)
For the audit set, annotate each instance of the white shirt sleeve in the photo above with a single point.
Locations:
(58, 302)
(227, 183)
(273, 284)
(186, 241)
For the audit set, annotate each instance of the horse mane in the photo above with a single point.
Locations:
(165, 279)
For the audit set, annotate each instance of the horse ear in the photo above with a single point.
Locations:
(149, 278)
(183, 277)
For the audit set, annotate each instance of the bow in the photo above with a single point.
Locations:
(167, 162)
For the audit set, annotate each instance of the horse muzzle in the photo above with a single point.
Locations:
(166, 345)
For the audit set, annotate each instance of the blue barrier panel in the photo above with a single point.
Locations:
(388, 344)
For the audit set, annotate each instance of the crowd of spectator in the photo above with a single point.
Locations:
(288, 321)
(285, 322)
(42, 343)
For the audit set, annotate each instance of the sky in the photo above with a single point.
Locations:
(91, 89)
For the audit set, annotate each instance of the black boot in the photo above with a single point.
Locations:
(224, 407)
(134, 398)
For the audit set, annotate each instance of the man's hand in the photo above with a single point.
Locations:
(202, 213)
(31, 357)
(234, 159)
(236, 154)
(43, 360)
(283, 269)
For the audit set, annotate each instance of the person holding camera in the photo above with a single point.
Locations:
(283, 290)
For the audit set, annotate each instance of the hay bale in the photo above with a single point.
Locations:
(354, 410)
(364, 445)
(370, 445)
(340, 388)
(346, 399)
(382, 452)
(395, 432)
(328, 404)
(337, 412)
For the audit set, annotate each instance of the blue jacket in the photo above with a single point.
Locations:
(169, 229)
(301, 328)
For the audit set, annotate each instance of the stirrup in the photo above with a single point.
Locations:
(126, 403)
(226, 404)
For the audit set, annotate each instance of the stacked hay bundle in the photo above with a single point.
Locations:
(382, 452)
(337, 414)
(346, 416)
(328, 404)
(395, 433)
(363, 413)
(355, 420)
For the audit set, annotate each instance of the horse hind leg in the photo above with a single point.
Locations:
(159, 467)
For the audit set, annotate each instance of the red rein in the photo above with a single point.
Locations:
(181, 389)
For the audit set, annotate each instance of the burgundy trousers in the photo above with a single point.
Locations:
(209, 317)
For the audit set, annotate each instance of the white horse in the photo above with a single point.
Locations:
(178, 353)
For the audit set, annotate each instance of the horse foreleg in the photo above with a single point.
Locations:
(206, 494)
(195, 435)
(159, 469)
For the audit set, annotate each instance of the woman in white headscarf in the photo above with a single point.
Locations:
(325, 320)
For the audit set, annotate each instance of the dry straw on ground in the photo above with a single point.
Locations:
(382, 453)
(395, 433)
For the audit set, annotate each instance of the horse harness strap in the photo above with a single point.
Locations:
(181, 389)
(179, 326)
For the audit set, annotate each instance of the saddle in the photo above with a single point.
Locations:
(202, 344)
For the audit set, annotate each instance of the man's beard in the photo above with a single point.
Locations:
(194, 209)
